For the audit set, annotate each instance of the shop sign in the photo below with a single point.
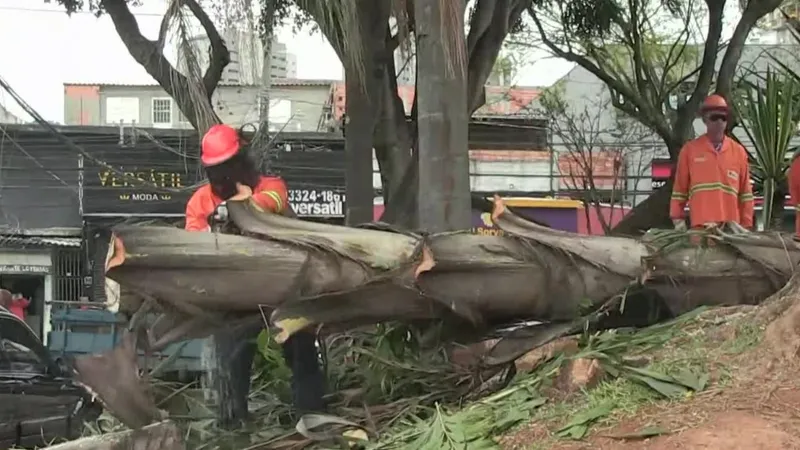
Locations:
(317, 202)
(23, 268)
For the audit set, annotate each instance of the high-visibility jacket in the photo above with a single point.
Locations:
(716, 184)
(794, 191)
(270, 195)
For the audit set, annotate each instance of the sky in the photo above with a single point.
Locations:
(43, 48)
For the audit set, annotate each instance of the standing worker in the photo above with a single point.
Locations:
(232, 175)
(794, 192)
(713, 175)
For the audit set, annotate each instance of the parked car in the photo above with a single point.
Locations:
(39, 401)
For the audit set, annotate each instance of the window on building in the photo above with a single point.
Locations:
(162, 112)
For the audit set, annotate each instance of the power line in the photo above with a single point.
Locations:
(64, 12)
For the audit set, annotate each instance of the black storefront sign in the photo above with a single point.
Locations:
(150, 181)
(147, 181)
(657, 183)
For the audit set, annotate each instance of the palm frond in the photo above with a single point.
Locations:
(769, 117)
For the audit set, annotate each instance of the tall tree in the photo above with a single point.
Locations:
(623, 45)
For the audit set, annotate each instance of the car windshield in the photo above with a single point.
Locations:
(18, 349)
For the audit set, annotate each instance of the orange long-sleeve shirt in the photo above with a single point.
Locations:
(716, 184)
(794, 191)
(270, 194)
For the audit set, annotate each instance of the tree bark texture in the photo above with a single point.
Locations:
(362, 84)
(443, 196)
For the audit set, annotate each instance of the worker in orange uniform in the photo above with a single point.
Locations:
(713, 175)
(232, 175)
(794, 192)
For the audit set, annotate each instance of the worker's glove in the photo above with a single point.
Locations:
(679, 224)
(735, 228)
(220, 214)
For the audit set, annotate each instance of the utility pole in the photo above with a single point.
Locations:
(262, 137)
(444, 189)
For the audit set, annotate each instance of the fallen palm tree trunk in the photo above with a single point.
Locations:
(310, 274)
(158, 436)
(734, 270)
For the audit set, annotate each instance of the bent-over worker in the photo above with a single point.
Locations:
(232, 175)
(713, 175)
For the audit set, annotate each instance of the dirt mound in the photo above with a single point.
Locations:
(751, 403)
(783, 333)
(730, 431)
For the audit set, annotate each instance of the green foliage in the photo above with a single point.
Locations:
(770, 119)
(269, 367)
(586, 19)
(659, 54)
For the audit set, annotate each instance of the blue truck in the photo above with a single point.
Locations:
(82, 328)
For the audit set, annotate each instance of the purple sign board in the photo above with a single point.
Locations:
(565, 219)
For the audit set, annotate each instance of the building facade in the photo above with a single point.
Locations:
(246, 52)
(295, 105)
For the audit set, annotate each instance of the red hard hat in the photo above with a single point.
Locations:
(714, 102)
(220, 144)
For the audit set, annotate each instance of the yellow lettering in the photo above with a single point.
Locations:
(104, 178)
(124, 197)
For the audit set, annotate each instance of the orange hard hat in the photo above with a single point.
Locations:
(714, 102)
(220, 144)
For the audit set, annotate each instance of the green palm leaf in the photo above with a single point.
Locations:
(769, 118)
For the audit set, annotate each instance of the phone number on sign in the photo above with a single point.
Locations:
(314, 196)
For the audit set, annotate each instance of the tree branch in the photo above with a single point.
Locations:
(688, 111)
(148, 54)
(220, 56)
(634, 104)
(489, 27)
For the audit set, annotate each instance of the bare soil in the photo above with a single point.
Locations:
(756, 406)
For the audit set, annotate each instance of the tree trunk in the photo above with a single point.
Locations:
(653, 212)
(362, 85)
(392, 141)
(444, 187)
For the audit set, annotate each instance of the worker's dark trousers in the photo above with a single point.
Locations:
(235, 351)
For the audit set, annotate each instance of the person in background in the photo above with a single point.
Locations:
(18, 305)
(232, 175)
(713, 176)
(794, 192)
(5, 299)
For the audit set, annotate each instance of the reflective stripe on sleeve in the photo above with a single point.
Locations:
(277, 197)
